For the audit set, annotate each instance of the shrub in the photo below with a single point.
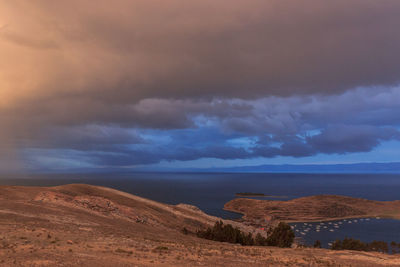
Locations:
(120, 250)
(260, 240)
(393, 245)
(354, 244)
(185, 231)
(230, 234)
(281, 236)
(317, 244)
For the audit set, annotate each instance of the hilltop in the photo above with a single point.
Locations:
(83, 225)
(313, 208)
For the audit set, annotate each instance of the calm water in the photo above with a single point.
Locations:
(211, 191)
(365, 229)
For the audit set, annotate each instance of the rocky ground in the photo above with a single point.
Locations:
(82, 225)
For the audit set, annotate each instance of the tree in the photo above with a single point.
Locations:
(337, 245)
(281, 236)
(260, 240)
(393, 245)
(317, 244)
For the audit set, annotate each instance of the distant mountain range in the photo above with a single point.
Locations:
(392, 167)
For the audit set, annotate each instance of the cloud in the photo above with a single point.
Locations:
(175, 48)
(97, 77)
(300, 126)
(23, 41)
(346, 139)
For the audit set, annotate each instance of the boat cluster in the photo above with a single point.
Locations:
(305, 228)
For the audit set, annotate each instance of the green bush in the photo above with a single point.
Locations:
(227, 233)
(281, 236)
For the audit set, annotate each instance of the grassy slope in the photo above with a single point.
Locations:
(82, 225)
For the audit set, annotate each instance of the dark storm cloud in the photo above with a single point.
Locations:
(298, 126)
(344, 139)
(91, 137)
(350, 139)
(125, 157)
(128, 50)
(95, 76)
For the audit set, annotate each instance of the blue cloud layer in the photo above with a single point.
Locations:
(186, 130)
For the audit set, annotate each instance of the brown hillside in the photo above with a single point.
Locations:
(82, 225)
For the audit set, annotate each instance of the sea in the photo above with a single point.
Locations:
(210, 191)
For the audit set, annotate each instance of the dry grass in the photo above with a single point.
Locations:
(51, 227)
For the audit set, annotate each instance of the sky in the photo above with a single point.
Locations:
(130, 84)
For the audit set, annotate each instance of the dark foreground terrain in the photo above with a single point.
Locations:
(83, 225)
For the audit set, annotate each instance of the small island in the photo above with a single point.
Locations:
(249, 194)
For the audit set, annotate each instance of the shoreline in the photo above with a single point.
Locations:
(341, 219)
(320, 208)
(243, 219)
(84, 225)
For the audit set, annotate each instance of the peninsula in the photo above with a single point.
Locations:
(312, 208)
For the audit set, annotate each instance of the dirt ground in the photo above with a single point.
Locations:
(82, 225)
